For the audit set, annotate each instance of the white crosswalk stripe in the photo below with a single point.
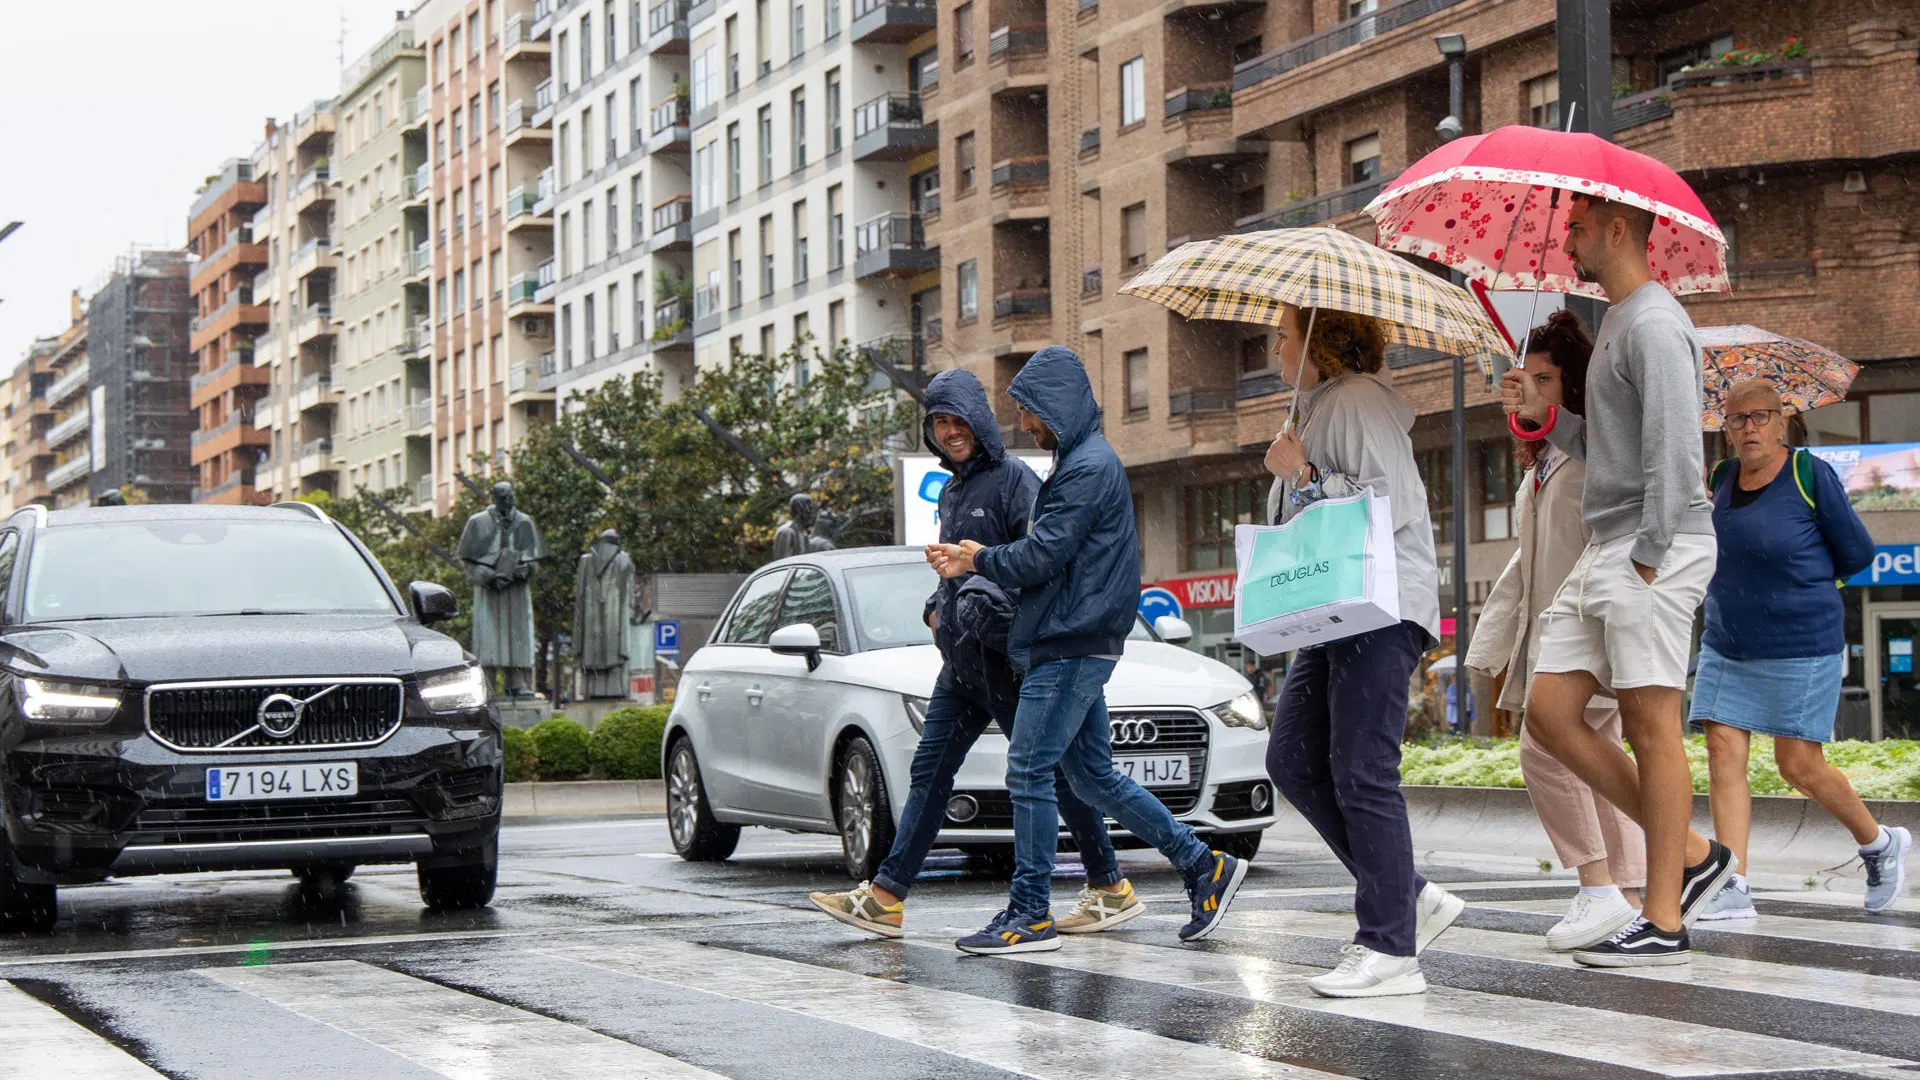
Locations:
(1826, 931)
(37, 1042)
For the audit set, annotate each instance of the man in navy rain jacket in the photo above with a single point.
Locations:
(987, 501)
(1078, 569)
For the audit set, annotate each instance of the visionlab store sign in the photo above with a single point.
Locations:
(1177, 596)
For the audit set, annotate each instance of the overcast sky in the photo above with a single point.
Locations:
(112, 112)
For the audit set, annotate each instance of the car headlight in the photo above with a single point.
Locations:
(80, 703)
(1243, 711)
(916, 711)
(464, 688)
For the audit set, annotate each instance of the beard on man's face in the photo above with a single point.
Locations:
(1045, 439)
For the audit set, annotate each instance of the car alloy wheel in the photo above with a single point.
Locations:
(683, 797)
(861, 810)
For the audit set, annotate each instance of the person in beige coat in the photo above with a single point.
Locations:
(1588, 833)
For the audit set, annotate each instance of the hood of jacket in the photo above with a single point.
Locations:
(1053, 386)
(956, 392)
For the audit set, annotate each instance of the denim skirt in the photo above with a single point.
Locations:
(1795, 698)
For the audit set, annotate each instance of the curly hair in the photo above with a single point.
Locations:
(1343, 341)
(1564, 338)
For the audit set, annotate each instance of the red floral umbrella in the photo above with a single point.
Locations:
(1806, 375)
(1493, 207)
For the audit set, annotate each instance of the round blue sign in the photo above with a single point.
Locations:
(1156, 601)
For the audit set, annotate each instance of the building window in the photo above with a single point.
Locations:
(766, 342)
(963, 35)
(1133, 236)
(1363, 159)
(1138, 383)
(802, 370)
(1133, 91)
(766, 145)
(799, 137)
(703, 79)
(736, 271)
(1499, 480)
(473, 119)
(1669, 64)
(613, 294)
(586, 47)
(560, 66)
(766, 255)
(800, 241)
(836, 228)
(833, 19)
(1211, 514)
(1436, 467)
(1543, 101)
(637, 205)
(762, 38)
(607, 55)
(833, 108)
(799, 29)
(613, 222)
(459, 289)
(440, 141)
(733, 53)
(588, 336)
(967, 278)
(963, 164)
(639, 307)
(493, 107)
(733, 161)
(1254, 356)
(836, 323)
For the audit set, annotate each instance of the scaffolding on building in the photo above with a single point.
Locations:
(139, 329)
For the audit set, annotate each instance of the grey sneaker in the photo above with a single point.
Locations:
(1887, 871)
(1733, 901)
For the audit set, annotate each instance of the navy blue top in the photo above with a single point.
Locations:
(1773, 594)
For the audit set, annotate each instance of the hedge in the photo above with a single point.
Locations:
(560, 748)
(517, 747)
(1879, 770)
(626, 743)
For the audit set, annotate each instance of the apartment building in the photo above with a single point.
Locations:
(482, 108)
(616, 199)
(27, 418)
(1087, 139)
(69, 436)
(227, 383)
(383, 419)
(139, 362)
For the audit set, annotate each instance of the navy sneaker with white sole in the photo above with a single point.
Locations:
(1212, 890)
(1012, 932)
(1639, 944)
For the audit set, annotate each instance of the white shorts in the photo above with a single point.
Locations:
(1608, 621)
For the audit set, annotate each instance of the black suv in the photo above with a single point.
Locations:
(224, 688)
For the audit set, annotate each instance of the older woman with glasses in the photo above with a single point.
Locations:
(1775, 646)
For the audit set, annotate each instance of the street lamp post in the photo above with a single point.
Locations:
(1453, 49)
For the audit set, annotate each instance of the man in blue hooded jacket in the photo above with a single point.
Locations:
(1078, 569)
(987, 501)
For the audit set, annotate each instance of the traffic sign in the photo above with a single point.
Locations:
(1156, 601)
(666, 637)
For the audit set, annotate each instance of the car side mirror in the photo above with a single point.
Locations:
(432, 603)
(800, 639)
(1173, 629)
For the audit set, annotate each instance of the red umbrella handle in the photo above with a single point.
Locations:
(1553, 417)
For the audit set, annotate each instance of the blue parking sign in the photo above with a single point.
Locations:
(666, 637)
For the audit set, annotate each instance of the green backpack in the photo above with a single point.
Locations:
(1802, 473)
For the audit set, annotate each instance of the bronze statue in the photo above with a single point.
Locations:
(796, 536)
(603, 612)
(499, 545)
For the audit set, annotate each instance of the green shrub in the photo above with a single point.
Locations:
(560, 746)
(517, 747)
(626, 743)
(1882, 770)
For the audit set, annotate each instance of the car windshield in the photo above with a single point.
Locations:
(198, 567)
(1140, 631)
(887, 602)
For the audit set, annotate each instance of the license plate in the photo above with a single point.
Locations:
(254, 783)
(1165, 771)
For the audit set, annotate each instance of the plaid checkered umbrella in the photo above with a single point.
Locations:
(1255, 277)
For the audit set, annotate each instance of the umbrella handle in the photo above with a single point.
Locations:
(1539, 279)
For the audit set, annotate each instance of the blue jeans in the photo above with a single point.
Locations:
(953, 723)
(1063, 725)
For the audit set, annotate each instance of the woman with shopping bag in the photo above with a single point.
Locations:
(1590, 835)
(1343, 775)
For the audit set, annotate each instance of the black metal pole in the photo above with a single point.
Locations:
(1583, 33)
(1456, 106)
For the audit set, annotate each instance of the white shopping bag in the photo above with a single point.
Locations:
(1328, 574)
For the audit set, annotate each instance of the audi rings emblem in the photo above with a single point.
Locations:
(1134, 732)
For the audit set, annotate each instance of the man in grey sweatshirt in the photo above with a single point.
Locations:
(1623, 621)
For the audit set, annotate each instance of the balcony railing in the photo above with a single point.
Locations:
(232, 422)
(316, 175)
(1017, 41)
(671, 319)
(895, 230)
(1027, 170)
(892, 21)
(1746, 73)
(674, 212)
(1312, 211)
(1090, 281)
(518, 114)
(543, 102)
(887, 111)
(65, 385)
(520, 201)
(668, 18)
(423, 489)
(422, 101)
(321, 450)
(706, 301)
(1199, 98)
(420, 414)
(1021, 302)
(671, 113)
(1635, 110)
(66, 429)
(1333, 39)
(523, 288)
(420, 260)
(1090, 139)
(68, 471)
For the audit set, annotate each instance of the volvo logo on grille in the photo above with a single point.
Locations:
(1134, 732)
(280, 714)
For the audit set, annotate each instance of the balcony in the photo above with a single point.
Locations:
(542, 104)
(66, 385)
(1021, 49)
(1020, 184)
(706, 310)
(416, 186)
(234, 256)
(313, 323)
(543, 192)
(1023, 303)
(525, 125)
(67, 472)
(422, 487)
(1333, 205)
(236, 490)
(700, 11)
(240, 429)
(672, 323)
(314, 188)
(314, 458)
(423, 104)
(891, 128)
(313, 257)
(518, 43)
(420, 262)
(672, 225)
(892, 22)
(238, 371)
(530, 293)
(546, 282)
(314, 124)
(892, 246)
(314, 391)
(414, 342)
(238, 310)
(523, 211)
(1021, 171)
(419, 416)
(1206, 111)
(667, 27)
(668, 127)
(903, 352)
(1335, 38)
(414, 112)
(65, 431)
(542, 24)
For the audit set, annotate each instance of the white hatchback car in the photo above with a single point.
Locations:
(802, 713)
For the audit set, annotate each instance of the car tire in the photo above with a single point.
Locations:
(24, 906)
(323, 883)
(697, 835)
(1240, 845)
(462, 883)
(861, 809)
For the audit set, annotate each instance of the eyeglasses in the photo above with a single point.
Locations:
(1758, 418)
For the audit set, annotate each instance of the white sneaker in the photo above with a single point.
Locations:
(1365, 973)
(1100, 910)
(1731, 902)
(1433, 911)
(1590, 921)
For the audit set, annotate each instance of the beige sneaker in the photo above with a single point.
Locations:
(1100, 910)
(862, 909)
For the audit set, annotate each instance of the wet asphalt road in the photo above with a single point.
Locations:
(603, 955)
